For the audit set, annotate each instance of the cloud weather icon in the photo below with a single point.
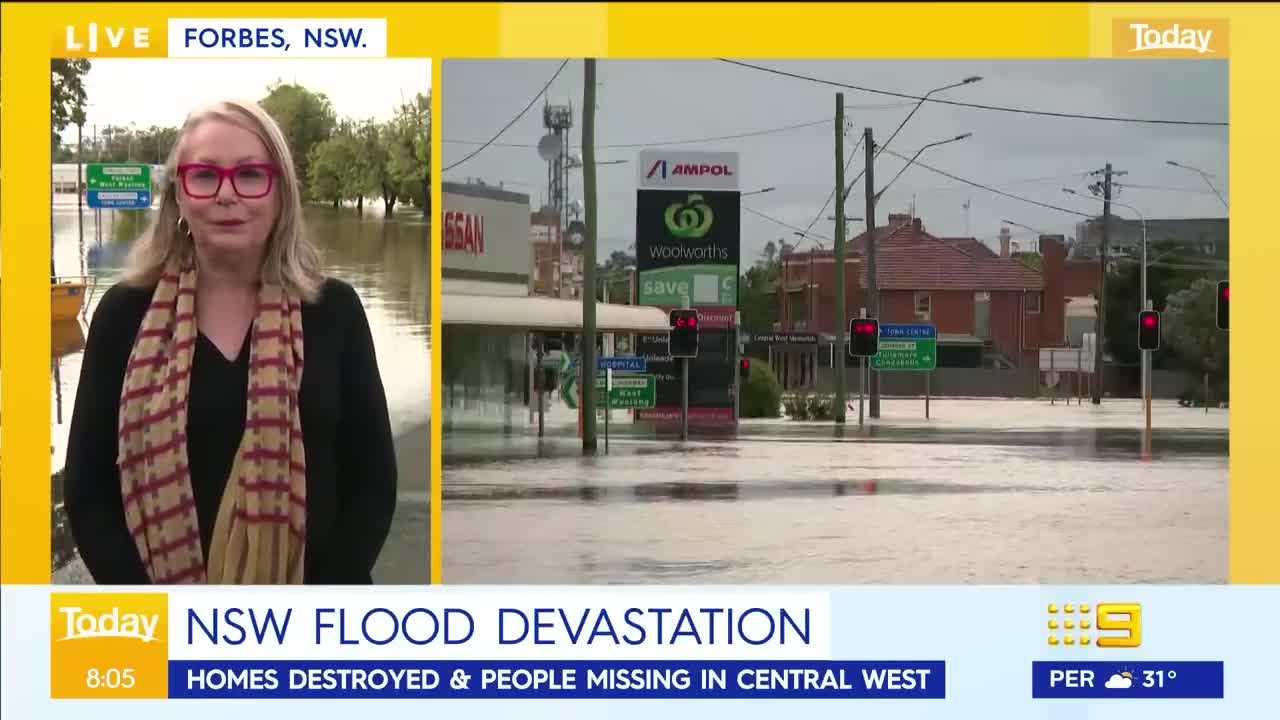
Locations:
(1120, 681)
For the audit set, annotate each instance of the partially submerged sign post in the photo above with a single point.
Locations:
(911, 347)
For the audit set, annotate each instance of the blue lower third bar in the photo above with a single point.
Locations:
(481, 679)
(1127, 680)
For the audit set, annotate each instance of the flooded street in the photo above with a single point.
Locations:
(388, 264)
(986, 491)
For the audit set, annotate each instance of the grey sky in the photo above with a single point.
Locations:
(162, 91)
(1030, 156)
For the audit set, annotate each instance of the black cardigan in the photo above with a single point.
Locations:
(351, 462)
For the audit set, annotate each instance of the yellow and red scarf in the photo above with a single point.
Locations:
(259, 535)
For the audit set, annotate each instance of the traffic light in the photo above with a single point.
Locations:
(864, 337)
(744, 368)
(1224, 294)
(683, 340)
(1148, 330)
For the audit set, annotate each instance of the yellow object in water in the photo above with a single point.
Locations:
(68, 298)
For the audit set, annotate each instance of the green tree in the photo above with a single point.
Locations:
(409, 147)
(336, 170)
(761, 393)
(1172, 266)
(1191, 333)
(68, 101)
(757, 290)
(306, 118)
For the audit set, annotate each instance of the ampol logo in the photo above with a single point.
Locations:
(659, 169)
(1169, 38)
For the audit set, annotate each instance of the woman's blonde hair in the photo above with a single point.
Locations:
(289, 260)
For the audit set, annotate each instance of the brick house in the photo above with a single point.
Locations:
(989, 309)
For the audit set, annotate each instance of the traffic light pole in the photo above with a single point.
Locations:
(684, 388)
(862, 374)
(737, 364)
(1146, 397)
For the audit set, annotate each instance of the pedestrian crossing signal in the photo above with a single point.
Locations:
(683, 339)
(744, 369)
(1148, 330)
(864, 337)
(1224, 294)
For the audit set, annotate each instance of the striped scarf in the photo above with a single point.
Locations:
(259, 534)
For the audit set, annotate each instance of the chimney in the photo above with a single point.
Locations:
(1004, 242)
(1053, 317)
(898, 219)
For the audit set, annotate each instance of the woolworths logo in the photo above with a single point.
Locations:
(689, 219)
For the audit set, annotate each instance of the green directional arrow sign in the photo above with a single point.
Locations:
(631, 391)
(906, 354)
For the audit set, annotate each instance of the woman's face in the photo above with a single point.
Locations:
(227, 189)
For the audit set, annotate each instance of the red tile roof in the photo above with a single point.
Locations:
(908, 258)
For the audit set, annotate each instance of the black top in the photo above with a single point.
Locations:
(351, 463)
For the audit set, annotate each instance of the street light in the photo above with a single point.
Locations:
(913, 159)
(1026, 227)
(967, 81)
(1205, 176)
(1146, 305)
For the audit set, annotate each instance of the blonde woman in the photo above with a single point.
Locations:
(230, 425)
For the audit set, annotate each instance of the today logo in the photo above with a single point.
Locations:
(1170, 38)
(113, 624)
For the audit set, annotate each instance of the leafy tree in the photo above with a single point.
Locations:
(761, 393)
(409, 146)
(757, 295)
(1191, 333)
(68, 101)
(1172, 266)
(306, 118)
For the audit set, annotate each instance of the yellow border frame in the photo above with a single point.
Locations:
(651, 30)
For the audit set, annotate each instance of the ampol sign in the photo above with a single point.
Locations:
(667, 170)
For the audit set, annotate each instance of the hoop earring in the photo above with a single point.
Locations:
(184, 227)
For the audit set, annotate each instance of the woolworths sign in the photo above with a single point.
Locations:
(687, 246)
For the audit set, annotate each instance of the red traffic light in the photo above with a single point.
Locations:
(864, 326)
(1226, 293)
(1149, 320)
(746, 364)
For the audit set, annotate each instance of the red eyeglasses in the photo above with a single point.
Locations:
(249, 181)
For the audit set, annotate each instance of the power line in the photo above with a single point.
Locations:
(1165, 188)
(789, 226)
(683, 141)
(514, 120)
(831, 195)
(988, 188)
(977, 106)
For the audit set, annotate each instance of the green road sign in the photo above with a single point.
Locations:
(631, 391)
(118, 177)
(912, 354)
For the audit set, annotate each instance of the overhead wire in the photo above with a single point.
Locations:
(976, 106)
(514, 120)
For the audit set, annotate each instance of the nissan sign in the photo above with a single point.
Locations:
(665, 170)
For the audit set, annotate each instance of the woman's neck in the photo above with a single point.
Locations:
(228, 275)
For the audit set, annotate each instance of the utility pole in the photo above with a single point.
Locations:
(873, 285)
(589, 258)
(839, 352)
(1099, 367)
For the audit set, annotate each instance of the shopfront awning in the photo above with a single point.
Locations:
(551, 314)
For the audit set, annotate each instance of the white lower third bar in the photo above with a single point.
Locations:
(277, 38)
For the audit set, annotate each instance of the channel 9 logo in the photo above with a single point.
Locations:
(1105, 625)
